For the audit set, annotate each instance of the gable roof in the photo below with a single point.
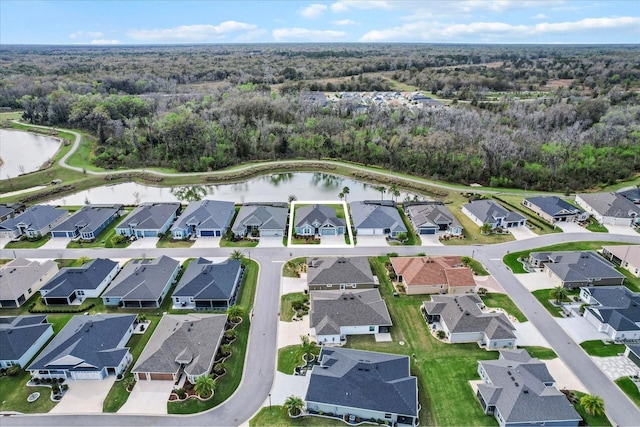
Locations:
(307, 215)
(461, 313)
(88, 218)
(447, 270)
(269, 216)
(18, 334)
(487, 211)
(358, 307)
(377, 214)
(629, 253)
(142, 279)
(554, 205)
(191, 340)
(364, 379)
(17, 276)
(150, 216)
(329, 271)
(516, 386)
(633, 194)
(616, 306)
(87, 342)
(70, 279)
(578, 266)
(430, 214)
(611, 204)
(206, 214)
(35, 218)
(204, 280)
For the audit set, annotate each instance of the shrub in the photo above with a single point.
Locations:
(441, 335)
(181, 393)
(14, 370)
(118, 239)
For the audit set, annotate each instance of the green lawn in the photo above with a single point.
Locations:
(539, 225)
(14, 393)
(286, 308)
(103, 240)
(28, 244)
(291, 356)
(168, 242)
(303, 241)
(542, 295)
(600, 349)
(277, 417)
(291, 267)
(630, 388)
(630, 281)
(600, 420)
(412, 238)
(596, 227)
(495, 300)
(540, 352)
(478, 268)
(225, 243)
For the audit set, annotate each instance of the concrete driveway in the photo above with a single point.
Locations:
(522, 233)
(148, 397)
(616, 366)
(287, 385)
(430, 240)
(565, 379)
(373, 241)
(489, 283)
(621, 229)
(579, 329)
(84, 396)
(56, 243)
(291, 285)
(535, 281)
(270, 242)
(332, 242)
(572, 227)
(144, 243)
(207, 242)
(527, 334)
(289, 332)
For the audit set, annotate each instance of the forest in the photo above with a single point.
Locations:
(563, 118)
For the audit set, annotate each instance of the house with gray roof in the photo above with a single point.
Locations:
(204, 218)
(9, 210)
(21, 337)
(632, 351)
(21, 278)
(377, 218)
(432, 218)
(335, 314)
(613, 310)
(330, 273)
(554, 209)
(206, 285)
(72, 285)
(88, 222)
(464, 318)
(142, 283)
(181, 343)
(363, 385)
(518, 390)
(573, 269)
(261, 219)
(489, 212)
(318, 220)
(149, 220)
(87, 348)
(36, 221)
(610, 208)
(632, 194)
(625, 256)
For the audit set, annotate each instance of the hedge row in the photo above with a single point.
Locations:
(139, 175)
(50, 192)
(234, 176)
(47, 311)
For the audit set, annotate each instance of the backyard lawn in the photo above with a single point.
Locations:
(600, 349)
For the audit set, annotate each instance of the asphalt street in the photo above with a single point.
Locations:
(260, 363)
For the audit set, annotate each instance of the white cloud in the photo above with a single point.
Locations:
(86, 34)
(540, 16)
(307, 35)
(467, 8)
(345, 22)
(103, 41)
(346, 5)
(492, 31)
(191, 32)
(313, 11)
(252, 36)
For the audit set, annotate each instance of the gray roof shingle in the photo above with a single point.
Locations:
(19, 333)
(142, 279)
(204, 280)
(307, 215)
(487, 211)
(578, 266)
(325, 271)
(271, 216)
(88, 276)
(150, 216)
(17, 276)
(554, 205)
(377, 214)
(430, 214)
(611, 204)
(206, 214)
(358, 307)
(88, 218)
(35, 218)
(617, 306)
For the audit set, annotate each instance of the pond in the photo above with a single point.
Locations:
(269, 188)
(23, 152)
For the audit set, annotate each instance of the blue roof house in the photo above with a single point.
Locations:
(73, 284)
(318, 220)
(36, 221)
(149, 220)
(208, 286)
(21, 337)
(88, 222)
(205, 218)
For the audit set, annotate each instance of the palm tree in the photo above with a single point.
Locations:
(225, 350)
(235, 313)
(594, 405)
(486, 228)
(466, 261)
(219, 368)
(559, 293)
(294, 405)
(345, 191)
(395, 191)
(382, 190)
(341, 196)
(205, 386)
(308, 346)
(292, 198)
(237, 255)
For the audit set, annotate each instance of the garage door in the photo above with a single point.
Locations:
(328, 232)
(207, 233)
(142, 376)
(162, 377)
(86, 375)
(150, 233)
(429, 231)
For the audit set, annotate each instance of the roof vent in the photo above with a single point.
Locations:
(517, 385)
(526, 391)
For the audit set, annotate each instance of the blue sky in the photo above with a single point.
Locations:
(240, 21)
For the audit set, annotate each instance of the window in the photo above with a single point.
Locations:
(353, 286)
(372, 328)
(388, 416)
(106, 300)
(29, 290)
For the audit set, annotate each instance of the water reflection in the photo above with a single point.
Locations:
(24, 152)
(192, 193)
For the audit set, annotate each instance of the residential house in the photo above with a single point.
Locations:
(329, 273)
(433, 275)
(335, 314)
(9, 210)
(21, 278)
(261, 219)
(75, 284)
(87, 348)
(613, 310)
(318, 220)
(554, 209)
(432, 218)
(610, 208)
(573, 269)
(205, 218)
(465, 319)
(205, 285)
(377, 218)
(149, 220)
(632, 194)
(625, 256)
(142, 283)
(518, 390)
(36, 221)
(21, 337)
(489, 212)
(632, 351)
(88, 222)
(363, 384)
(181, 343)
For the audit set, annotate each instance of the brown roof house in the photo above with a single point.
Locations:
(433, 275)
